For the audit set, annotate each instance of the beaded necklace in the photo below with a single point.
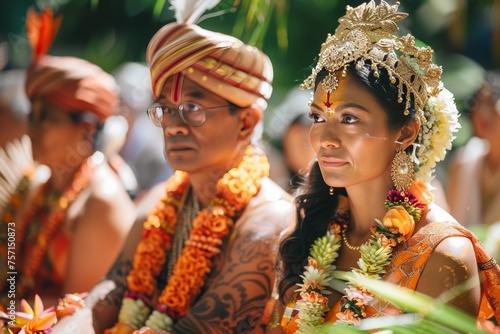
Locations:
(34, 253)
(211, 225)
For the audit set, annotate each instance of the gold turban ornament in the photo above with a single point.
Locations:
(226, 66)
(70, 83)
(366, 34)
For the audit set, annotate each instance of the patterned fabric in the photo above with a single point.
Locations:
(220, 63)
(72, 84)
(409, 262)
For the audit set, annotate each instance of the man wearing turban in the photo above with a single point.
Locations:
(200, 258)
(67, 210)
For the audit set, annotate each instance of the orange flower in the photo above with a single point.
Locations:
(336, 229)
(157, 236)
(397, 217)
(386, 242)
(218, 224)
(36, 319)
(314, 297)
(420, 191)
(177, 302)
(147, 330)
(141, 280)
(120, 328)
(312, 262)
(177, 183)
(347, 315)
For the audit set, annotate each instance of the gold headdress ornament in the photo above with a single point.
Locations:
(366, 34)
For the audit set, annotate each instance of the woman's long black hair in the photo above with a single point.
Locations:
(314, 205)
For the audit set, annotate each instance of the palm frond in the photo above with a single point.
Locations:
(424, 314)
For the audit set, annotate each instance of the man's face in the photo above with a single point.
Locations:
(208, 148)
(56, 139)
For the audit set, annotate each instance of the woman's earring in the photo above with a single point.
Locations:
(402, 171)
(331, 192)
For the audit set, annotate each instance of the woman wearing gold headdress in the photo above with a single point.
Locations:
(382, 120)
(63, 231)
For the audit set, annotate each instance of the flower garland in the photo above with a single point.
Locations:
(436, 133)
(35, 252)
(233, 192)
(404, 210)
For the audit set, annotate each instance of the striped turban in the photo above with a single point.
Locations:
(239, 73)
(72, 84)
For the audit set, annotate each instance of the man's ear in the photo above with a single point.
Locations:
(249, 117)
(409, 133)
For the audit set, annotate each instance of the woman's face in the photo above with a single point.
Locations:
(57, 141)
(353, 142)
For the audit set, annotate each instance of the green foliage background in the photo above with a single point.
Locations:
(464, 33)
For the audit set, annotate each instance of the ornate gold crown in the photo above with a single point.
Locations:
(367, 33)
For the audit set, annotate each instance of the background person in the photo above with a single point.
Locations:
(65, 222)
(473, 186)
(14, 106)
(288, 133)
(142, 149)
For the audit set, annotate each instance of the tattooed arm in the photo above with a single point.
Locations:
(242, 284)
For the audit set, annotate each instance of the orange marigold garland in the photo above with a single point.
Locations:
(233, 193)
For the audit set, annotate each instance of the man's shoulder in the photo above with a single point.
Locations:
(271, 192)
(269, 212)
(272, 200)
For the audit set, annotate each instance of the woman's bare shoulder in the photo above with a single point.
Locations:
(438, 214)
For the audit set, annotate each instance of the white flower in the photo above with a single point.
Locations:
(324, 252)
(436, 133)
(315, 278)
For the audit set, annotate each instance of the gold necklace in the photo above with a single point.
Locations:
(344, 239)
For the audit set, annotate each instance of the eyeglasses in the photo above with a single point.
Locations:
(191, 113)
